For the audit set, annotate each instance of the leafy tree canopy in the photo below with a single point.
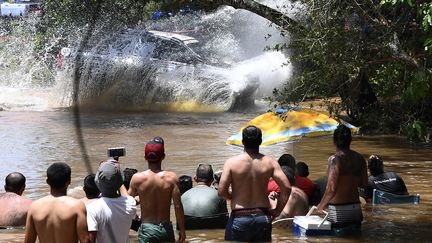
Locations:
(375, 55)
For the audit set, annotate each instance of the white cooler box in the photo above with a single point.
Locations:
(311, 225)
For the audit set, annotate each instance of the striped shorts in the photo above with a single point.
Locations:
(342, 215)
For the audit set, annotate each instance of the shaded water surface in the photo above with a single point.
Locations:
(30, 141)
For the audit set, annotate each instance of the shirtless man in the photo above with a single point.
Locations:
(57, 217)
(346, 172)
(91, 190)
(248, 175)
(156, 188)
(297, 204)
(13, 206)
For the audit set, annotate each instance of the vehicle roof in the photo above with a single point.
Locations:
(183, 38)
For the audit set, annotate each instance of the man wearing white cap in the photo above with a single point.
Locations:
(109, 218)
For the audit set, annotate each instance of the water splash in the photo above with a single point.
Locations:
(18, 65)
(25, 75)
(232, 42)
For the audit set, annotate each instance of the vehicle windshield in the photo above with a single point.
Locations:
(172, 50)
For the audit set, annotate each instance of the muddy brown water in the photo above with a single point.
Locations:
(30, 141)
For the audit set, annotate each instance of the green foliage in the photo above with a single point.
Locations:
(369, 53)
(424, 15)
(115, 13)
(415, 131)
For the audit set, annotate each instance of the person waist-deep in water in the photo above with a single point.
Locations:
(57, 217)
(13, 205)
(346, 172)
(383, 181)
(248, 175)
(109, 217)
(156, 189)
(203, 208)
(297, 204)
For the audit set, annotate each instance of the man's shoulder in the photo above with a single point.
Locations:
(139, 175)
(15, 197)
(383, 176)
(267, 157)
(169, 173)
(71, 202)
(169, 176)
(189, 193)
(24, 201)
(15, 200)
(203, 193)
(9, 195)
(358, 156)
(390, 174)
(64, 203)
(245, 157)
(142, 176)
(43, 201)
(346, 153)
(202, 189)
(235, 159)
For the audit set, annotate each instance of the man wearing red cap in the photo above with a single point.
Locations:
(156, 188)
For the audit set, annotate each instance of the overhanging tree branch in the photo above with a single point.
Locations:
(274, 16)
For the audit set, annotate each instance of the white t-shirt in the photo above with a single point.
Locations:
(113, 215)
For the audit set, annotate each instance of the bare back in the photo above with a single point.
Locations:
(56, 219)
(155, 191)
(249, 178)
(13, 209)
(297, 204)
(352, 173)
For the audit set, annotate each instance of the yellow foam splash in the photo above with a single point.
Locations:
(183, 106)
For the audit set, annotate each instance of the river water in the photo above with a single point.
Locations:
(32, 140)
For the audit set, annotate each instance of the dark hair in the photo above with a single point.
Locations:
(375, 165)
(287, 160)
(289, 174)
(14, 182)
(128, 173)
(90, 188)
(58, 175)
(185, 182)
(204, 173)
(302, 169)
(342, 137)
(252, 137)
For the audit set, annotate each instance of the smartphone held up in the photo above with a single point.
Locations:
(117, 152)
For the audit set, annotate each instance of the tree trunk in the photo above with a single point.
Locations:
(268, 13)
(358, 95)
